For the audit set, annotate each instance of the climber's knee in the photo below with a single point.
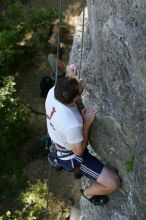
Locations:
(114, 183)
(109, 179)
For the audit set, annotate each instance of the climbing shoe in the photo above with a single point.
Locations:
(77, 175)
(99, 200)
(77, 172)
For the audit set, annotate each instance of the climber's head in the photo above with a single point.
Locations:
(68, 90)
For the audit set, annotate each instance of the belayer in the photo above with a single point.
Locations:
(68, 129)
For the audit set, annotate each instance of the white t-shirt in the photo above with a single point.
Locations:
(65, 123)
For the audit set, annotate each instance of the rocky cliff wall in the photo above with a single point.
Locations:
(113, 69)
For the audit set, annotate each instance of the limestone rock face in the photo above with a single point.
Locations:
(113, 69)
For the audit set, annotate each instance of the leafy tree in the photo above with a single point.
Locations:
(20, 31)
(13, 115)
(34, 202)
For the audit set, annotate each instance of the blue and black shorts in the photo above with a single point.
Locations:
(90, 166)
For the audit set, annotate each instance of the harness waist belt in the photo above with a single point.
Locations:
(62, 149)
(65, 156)
(63, 153)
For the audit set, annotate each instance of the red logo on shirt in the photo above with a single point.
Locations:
(52, 112)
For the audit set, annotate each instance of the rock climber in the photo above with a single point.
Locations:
(69, 129)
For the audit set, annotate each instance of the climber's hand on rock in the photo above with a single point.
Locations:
(89, 115)
(62, 45)
(71, 70)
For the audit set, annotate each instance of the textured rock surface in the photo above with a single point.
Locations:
(113, 69)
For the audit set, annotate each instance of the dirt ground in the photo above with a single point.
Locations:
(62, 184)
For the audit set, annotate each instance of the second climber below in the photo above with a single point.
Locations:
(69, 130)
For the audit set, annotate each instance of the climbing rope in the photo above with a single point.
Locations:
(82, 42)
(58, 45)
(56, 74)
(48, 190)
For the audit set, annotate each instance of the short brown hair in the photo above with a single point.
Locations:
(66, 90)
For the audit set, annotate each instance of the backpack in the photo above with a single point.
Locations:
(45, 144)
(46, 84)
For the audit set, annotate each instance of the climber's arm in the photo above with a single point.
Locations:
(88, 118)
(61, 64)
(79, 148)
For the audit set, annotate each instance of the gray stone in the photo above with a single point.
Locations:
(75, 214)
(113, 68)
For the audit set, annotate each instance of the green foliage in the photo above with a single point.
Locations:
(15, 10)
(41, 17)
(32, 17)
(10, 109)
(17, 24)
(34, 204)
(12, 128)
(11, 53)
(2, 22)
(128, 165)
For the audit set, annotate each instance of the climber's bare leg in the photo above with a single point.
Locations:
(107, 183)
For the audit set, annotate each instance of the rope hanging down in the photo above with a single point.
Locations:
(48, 189)
(56, 74)
(82, 42)
(58, 45)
